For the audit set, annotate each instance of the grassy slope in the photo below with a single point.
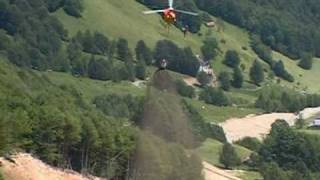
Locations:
(92, 88)
(250, 175)
(210, 151)
(219, 114)
(123, 18)
(309, 78)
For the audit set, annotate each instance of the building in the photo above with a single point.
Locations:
(316, 122)
(206, 68)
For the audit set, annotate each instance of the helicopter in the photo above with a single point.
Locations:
(170, 13)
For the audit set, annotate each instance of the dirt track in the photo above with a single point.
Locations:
(28, 168)
(213, 173)
(259, 126)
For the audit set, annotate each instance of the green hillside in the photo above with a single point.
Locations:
(83, 100)
(125, 19)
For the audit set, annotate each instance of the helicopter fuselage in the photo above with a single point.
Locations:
(169, 16)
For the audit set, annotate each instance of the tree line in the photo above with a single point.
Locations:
(275, 99)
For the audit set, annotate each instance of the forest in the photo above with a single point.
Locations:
(115, 136)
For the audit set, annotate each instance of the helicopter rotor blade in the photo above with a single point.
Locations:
(170, 3)
(187, 12)
(153, 11)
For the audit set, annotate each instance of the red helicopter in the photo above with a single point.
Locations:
(169, 14)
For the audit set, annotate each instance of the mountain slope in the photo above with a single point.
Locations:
(125, 19)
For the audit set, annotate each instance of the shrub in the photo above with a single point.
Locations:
(251, 143)
(203, 78)
(185, 90)
(73, 7)
(232, 59)
(225, 80)
(228, 157)
(256, 73)
(214, 96)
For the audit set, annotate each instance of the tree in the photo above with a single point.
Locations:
(97, 70)
(141, 70)
(4, 40)
(225, 80)
(300, 123)
(264, 52)
(251, 143)
(125, 55)
(73, 7)
(185, 90)
(280, 71)
(3, 136)
(130, 69)
(232, 59)
(101, 43)
(306, 61)
(256, 73)
(203, 78)
(209, 48)
(53, 5)
(143, 53)
(87, 41)
(179, 60)
(228, 157)
(189, 63)
(290, 149)
(214, 96)
(123, 50)
(237, 81)
(272, 171)
(297, 176)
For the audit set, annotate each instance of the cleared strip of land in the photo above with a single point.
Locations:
(259, 125)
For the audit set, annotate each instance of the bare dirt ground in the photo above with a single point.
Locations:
(259, 126)
(213, 173)
(191, 81)
(25, 167)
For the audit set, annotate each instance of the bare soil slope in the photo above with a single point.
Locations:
(26, 167)
(259, 126)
